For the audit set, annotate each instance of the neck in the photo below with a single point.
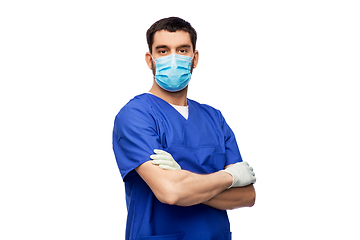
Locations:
(175, 98)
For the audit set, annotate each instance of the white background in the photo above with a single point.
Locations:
(285, 75)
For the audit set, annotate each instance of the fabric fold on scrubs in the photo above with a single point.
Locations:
(203, 144)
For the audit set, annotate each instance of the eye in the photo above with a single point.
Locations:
(163, 52)
(182, 51)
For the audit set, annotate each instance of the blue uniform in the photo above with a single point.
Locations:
(202, 144)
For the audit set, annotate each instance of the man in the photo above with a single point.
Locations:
(197, 173)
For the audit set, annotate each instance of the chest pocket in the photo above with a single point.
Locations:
(218, 161)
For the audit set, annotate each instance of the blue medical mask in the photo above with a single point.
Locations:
(173, 72)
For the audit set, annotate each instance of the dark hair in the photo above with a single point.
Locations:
(171, 24)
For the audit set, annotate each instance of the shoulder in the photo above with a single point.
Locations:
(137, 112)
(138, 105)
(139, 101)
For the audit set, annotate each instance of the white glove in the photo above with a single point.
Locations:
(242, 173)
(164, 160)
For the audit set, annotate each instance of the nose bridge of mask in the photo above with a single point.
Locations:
(174, 65)
(174, 59)
(174, 62)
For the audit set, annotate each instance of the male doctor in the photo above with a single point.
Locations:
(179, 159)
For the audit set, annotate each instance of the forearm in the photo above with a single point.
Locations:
(232, 198)
(182, 187)
(195, 188)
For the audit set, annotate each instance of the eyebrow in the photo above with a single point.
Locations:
(161, 46)
(181, 46)
(184, 46)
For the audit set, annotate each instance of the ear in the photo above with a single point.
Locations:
(196, 58)
(148, 59)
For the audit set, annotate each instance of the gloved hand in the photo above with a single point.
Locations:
(164, 160)
(242, 173)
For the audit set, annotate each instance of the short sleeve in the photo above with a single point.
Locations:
(134, 137)
(231, 147)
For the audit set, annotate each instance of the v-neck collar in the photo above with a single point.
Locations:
(165, 103)
(183, 110)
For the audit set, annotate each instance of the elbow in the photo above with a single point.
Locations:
(168, 196)
(170, 200)
(252, 198)
(252, 203)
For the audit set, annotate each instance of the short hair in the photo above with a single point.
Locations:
(171, 24)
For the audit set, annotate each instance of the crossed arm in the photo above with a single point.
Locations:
(185, 188)
(232, 198)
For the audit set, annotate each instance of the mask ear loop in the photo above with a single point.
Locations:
(192, 63)
(152, 65)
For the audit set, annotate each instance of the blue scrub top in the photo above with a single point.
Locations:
(202, 144)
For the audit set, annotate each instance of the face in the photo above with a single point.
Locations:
(166, 43)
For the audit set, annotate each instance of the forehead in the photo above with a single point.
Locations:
(171, 39)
